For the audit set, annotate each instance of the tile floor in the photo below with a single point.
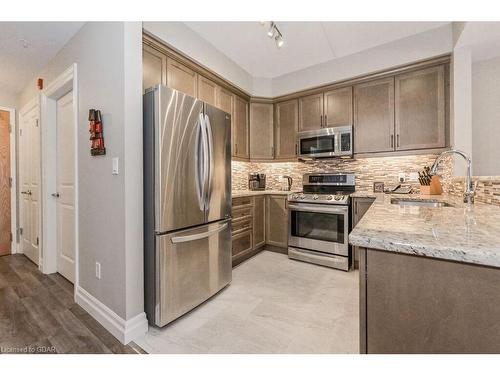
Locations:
(273, 305)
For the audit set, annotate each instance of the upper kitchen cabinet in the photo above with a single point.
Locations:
(207, 90)
(338, 107)
(225, 100)
(374, 116)
(286, 126)
(420, 109)
(181, 78)
(240, 128)
(154, 67)
(261, 131)
(311, 112)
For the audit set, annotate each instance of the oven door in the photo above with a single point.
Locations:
(319, 227)
(318, 143)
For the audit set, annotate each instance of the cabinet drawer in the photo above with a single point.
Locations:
(241, 212)
(242, 242)
(241, 225)
(242, 201)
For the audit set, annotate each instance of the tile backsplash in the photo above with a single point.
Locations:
(367, 170)
(487, 190)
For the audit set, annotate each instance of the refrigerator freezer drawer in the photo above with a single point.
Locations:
(193, 265)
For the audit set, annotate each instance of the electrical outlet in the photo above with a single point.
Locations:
(413, 176)
(98, 270)
(402, 177)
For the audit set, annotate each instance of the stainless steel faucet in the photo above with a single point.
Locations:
(468, 189)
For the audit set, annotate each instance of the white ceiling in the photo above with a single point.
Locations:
(306, 43)
(18, 64)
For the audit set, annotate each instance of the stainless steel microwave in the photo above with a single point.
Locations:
(325, 143)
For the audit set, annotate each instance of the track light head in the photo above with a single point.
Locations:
(279, 41)
(271, 31)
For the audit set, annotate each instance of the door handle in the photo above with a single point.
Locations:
(198, 236)
(25, 192)
(55, 195)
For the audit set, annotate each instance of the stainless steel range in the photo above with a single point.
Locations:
(319, 220)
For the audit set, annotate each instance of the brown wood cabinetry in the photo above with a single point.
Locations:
(359, 208)
(337, 107)
(311, 112)
(154, 68)
(207, 90)
(240, 128)
(374, 116)
(414, 304)
(259, 221)
(420, 109)
(286, 125)
(225, 100)
(261, 131)
(180, 77)
(277, 220)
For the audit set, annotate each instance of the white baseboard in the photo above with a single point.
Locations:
(123, 330)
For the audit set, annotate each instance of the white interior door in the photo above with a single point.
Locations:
(29, 173)
(65, 194)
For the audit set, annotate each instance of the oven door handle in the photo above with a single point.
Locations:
(310, 208)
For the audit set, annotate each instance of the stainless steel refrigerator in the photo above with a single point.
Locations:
(187, 202)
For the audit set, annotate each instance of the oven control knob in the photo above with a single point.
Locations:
(329, 197)
(302, 196)
(295, 196)
(338, 197)
(315, 196)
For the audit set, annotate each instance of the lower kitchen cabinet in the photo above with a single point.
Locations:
(259, 221)
(277, 221)
(419, 305)
(359, 208)
(248, 227)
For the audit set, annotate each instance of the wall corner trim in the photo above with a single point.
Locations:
(123, 330)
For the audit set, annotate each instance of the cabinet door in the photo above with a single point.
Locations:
(420, 109)
(311, 112)
(181, 78)
(338, 107)
(359, 208)
(240, 128)
(286, 127)
(242, 243)
(207, 90)
(259, 221)
(374, 116)
(276, 220)
(225, 100)
(261, 131)
(154, 67)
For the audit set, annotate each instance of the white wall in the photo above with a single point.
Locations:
(8, 99)
(182, 38)
(109, 63)
(486, 117)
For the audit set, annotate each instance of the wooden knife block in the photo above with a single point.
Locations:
(434, 188)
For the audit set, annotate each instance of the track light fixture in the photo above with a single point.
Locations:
(275, 34)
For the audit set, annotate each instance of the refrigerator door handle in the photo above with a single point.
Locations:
(210, 160)
(198, 236)
(200, 162)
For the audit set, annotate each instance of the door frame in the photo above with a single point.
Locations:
(59, 87)
(13, 176)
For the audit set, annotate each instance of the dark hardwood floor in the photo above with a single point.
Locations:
(38, 314)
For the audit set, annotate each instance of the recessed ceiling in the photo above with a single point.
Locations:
(43, 40)
(306, 43)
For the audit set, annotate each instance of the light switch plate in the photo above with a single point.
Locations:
(115, 166)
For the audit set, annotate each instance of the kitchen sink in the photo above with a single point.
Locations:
(420, 202)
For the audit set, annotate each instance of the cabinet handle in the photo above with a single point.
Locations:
(392, 140)
(321, 121)
(326, 119)
(296, 149)
(272, 151)
(397, 140)
(236, 147)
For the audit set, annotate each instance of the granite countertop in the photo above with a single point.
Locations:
(249, 193)
(459, 233)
